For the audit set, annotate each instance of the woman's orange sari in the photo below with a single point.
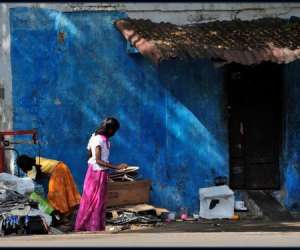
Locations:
(62, 191)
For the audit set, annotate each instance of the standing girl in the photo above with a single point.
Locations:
(91, 214)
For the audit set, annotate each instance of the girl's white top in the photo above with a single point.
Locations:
(98, 140)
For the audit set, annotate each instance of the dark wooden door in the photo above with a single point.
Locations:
(254, 106)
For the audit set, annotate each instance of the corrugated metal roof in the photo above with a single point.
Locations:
(246, 42)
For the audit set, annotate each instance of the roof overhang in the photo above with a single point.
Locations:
(245, 42)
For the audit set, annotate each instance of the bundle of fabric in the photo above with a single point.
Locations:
(129, 174)
(12, 200)
(18, 213)
(29, 224)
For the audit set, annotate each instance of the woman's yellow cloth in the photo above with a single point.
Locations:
(47, 165)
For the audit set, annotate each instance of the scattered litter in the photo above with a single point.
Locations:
(129, 217)
(164, 216)
(183, 213)
(171, 216)
(240, 206)
(160, 211)
(136, 214)
(141, 209)
(38, 212)
(235, 217)
(54, 230)
(116, 229)
(196, 216)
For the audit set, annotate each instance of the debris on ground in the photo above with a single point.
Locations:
(54, 230)
(141, 214)
(240, 206)
(22, 209)
(116, 229)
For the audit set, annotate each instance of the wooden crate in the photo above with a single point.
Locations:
(128, 193)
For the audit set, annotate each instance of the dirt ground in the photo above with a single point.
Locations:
(166, 239)
(250, 225)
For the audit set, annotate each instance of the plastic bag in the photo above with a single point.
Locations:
(43, 203)
(21, 185)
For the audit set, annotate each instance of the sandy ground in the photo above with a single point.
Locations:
(202, 233)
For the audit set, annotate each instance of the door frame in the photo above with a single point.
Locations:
(227, 70)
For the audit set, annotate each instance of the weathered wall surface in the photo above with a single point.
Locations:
(72, 69)
(196, 134)
(290, 193)
(184, 13)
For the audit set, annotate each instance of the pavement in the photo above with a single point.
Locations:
(208, 233)
(249, 225)
(223, 239)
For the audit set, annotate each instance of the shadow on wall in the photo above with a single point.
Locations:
(70, 70)
(197, 128)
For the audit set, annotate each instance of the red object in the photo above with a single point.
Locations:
(3, 142)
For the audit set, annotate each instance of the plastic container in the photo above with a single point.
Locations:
(216, 202)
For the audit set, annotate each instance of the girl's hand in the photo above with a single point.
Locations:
(122, 166)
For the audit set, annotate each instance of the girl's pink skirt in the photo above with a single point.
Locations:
(91, 213)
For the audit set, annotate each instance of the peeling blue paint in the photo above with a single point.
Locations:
(291, 142)
(172, 117)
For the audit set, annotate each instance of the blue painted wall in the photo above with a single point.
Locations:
(291, 143)
(172, 116)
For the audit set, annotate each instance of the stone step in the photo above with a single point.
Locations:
(269, 206)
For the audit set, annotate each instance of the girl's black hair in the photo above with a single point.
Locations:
(109, 123)
(25, 162)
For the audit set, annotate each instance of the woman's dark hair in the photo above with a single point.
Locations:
(107, 125)
(25, 162)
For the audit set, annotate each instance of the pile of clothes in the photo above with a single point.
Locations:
(19, 213)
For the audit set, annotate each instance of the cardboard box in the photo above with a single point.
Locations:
(128, 192)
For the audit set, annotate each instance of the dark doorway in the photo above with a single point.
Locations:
(254, 106)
